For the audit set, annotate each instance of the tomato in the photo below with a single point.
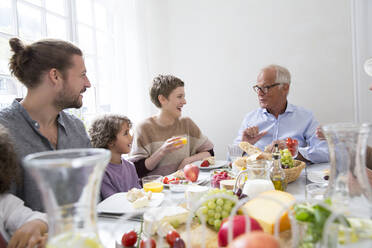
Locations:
(144, 243)
(129, 238)
(165, 180)
(171, 237)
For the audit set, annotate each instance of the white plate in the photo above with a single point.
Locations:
(316, 176)
(119, 204)
(218, 164)
(198, 182)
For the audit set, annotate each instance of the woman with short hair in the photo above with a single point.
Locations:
(157, 146)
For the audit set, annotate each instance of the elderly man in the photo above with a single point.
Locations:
(277, 119)
(54, 74)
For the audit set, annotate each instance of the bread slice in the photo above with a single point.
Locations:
(248, 148)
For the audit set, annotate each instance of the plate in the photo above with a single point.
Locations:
(316, 176)
(119, 204)
(198, 182)
(218, 164)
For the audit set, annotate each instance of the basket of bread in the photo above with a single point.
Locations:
(292, 167)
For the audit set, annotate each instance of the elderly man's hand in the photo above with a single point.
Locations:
(319, 133)
(252, 135)
(281, 146)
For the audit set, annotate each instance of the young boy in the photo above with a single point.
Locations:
(113, 132)
(19, 225)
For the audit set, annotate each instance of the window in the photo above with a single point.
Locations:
(83, 22)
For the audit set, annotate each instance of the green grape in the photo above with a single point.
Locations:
(224, 214)
(229, 192)
(215, 191)
(217, 216)
(219, 202)
(210, 221)
(211, 212)
(218, 209)
(212, 205)
(204, 209)
(227, 208)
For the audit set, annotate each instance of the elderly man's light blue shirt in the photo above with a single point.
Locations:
(296, 122)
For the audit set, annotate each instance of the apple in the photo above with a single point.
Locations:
(191, 172)
(255, 240)
(238, 226)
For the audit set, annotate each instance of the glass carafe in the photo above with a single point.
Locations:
(349, 189)
(255, 179)
(70, 182)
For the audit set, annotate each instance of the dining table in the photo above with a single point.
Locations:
(112, 227)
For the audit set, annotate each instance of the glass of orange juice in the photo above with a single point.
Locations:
(182, 139)
(153, 183)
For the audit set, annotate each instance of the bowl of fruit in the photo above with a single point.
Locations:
(219, 175)
(292, 168)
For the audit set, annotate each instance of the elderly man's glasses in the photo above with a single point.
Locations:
(264, 89)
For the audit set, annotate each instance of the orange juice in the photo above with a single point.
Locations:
(153, 186)
(181, 140)
(184, 140)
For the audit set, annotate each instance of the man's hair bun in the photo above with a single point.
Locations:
(16, 45)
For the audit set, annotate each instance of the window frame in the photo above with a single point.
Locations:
(72, 35)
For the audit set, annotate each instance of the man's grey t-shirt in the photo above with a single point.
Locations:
(27, 139)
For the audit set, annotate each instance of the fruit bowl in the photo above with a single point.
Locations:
(291, 174)
(219, 175)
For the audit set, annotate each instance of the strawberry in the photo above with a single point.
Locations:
(205, 163)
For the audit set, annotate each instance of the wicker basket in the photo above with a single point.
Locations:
(293, 173)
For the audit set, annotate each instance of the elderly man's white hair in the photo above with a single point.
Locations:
(282, 74)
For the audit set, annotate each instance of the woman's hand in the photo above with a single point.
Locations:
(171, 145)
(29, 235)
(168, 146)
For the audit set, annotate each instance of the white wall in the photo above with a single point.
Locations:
(217, 47)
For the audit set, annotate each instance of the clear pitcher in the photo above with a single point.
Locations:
(70, 182)
(349, 189)
(255, 179)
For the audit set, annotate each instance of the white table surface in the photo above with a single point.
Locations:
(111, 229)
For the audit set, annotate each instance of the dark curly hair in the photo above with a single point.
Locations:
(9, 170)
(28, 63)
(163, 85)
(105, 128)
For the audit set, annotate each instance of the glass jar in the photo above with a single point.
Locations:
(348, 186)
(256, 179)
(70, 182)
(349, 190)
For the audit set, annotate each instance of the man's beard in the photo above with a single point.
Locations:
(66, 100)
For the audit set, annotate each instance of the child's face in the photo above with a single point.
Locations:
(123, 142)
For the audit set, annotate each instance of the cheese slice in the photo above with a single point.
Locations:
(266, 211)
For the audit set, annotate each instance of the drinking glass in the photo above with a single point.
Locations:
(70, 182)
(315, 191)
(234, 152)
(153, 183)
